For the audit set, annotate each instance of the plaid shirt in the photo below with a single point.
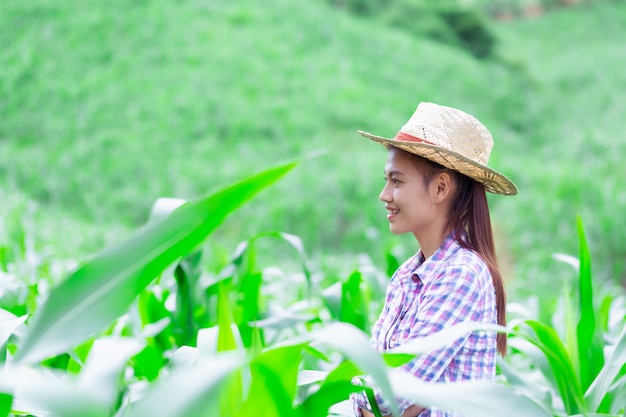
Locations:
(425, 296)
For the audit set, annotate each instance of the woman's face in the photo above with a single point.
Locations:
(407, 197)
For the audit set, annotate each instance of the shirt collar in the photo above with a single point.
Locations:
(425, 267)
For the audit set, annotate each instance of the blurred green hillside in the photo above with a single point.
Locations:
(106, 106)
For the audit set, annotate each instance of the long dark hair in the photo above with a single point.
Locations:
(470, 221)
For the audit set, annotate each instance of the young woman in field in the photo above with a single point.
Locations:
(436, 177)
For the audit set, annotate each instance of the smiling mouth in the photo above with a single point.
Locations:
(391, 212)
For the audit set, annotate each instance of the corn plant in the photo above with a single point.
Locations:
(586, 373)
(89, 350)
(98, 293)
(142, 330)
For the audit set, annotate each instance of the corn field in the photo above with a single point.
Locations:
(144, 329)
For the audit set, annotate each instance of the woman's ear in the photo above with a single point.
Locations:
(442, 186)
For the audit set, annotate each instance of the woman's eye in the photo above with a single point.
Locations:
(394, 181)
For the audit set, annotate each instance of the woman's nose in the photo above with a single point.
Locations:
(385, 195)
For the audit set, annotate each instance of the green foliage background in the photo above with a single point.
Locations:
(106, 106)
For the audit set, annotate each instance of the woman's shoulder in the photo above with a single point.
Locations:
(466, 256)
(464, 262)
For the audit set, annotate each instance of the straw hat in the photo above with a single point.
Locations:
(453, 139)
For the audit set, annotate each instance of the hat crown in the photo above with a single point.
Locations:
(451, 129)
(453, 139)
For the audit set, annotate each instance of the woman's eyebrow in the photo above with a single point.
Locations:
(394, 172)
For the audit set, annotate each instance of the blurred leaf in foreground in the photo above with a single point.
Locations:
(102, 289)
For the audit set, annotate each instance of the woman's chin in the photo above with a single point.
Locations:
(395, 229)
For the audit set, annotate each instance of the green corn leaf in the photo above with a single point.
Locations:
(471, 398)
(354, 345)
(249, 306)
(227, 337)
(316, 353)
(336, 387)
(397, 359)
(148, 362)
(344, 371)
(186, 275)
(571, 332)
(249, 300)
(561, 366)
(590, 346)
(601, 385)
(353, 306)
(191, 390)
(256, 342)
(8, 323)
(392, 263)
(371, 398)
(5, 404)
(101, 290)
(329, 394)
(248, 289)
(274, 382)
(604, 312)
(597, 415)
(78, 356)
(272, 398)
(152, 310)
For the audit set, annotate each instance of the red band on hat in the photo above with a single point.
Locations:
(405, 137)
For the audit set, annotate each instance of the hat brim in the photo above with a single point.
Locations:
(493, 181)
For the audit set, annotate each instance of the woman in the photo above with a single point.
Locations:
(435, 181)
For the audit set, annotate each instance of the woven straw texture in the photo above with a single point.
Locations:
(453, 139)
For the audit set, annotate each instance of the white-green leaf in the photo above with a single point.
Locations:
(184, 356)
(526, 384)
(600, 386)
(470, 399)
(107, 358)
(354, 345)
(8, 323)
(102, 289)
(308, 376)
(190, 391)
(41, 392)
(445, 337)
